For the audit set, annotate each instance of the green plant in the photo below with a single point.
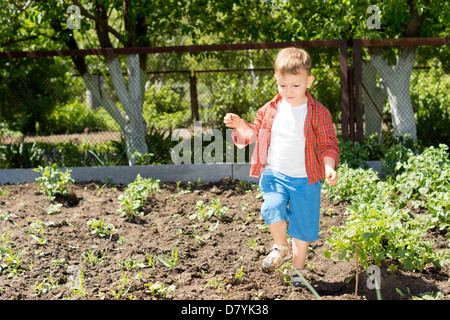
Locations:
(159, 290)
(37, 232)
(54, 208)
(53, 181)
(21, 155)
(169, 262)
(424, 179)
(11, 261)
(216, 283)
(46, 285)
(131, 264)
(240, 275)
(380, 222)
(135, 196)
(92, 256)
(122, 284)
(101, 228)
(205, 212)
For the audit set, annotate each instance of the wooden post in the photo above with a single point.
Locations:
(351, 105)
(194, 102)
(343, 65)
(359, 112)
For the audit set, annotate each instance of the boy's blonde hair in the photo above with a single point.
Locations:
(292, 60)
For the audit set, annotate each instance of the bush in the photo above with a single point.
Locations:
(75, 117)
(380, 221)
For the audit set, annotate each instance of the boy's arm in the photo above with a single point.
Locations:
(244, 133)
(328, 142)
(328, 145)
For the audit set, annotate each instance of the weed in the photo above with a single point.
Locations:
(101, 228)
(205, 212)
(159, 290)
(46, 285)
(94, 257)
(216, 283)
(169, 262)
(53, 181)
(11, 261)
(240, 275)
(123, 288)
(130, 264)
(252, 243)
(135, 196)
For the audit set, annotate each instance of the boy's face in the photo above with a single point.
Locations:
(292, 87)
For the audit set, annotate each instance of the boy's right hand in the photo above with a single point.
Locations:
(232, 120)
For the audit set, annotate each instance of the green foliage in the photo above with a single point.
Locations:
(425, 181)
(429, 96)
(205, 212)
(380, 221)
(158, 290)
(31, 89)
(53, 181)
(241, 96)
(170, 262)
(21, 155)
(101, 228)
(75, 117)
(135, 196)
(167, 98)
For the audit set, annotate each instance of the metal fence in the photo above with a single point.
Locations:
(400, 87)
(48, 113)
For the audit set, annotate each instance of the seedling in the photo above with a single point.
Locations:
(205, 212)
(169, 262)
(135, 196)
(159, 290)
(101, 228)
(240, 275)
(53, 181)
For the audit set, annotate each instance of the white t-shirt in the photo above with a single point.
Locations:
(287, 141)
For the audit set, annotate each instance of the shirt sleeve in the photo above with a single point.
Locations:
(327, 139)
(241, 141)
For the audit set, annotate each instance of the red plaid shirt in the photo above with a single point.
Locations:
(320, 138)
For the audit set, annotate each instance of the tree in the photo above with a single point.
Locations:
(130, 23)
(316, 19)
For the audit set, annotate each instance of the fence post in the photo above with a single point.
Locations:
(194, 102)
(343, 65)
(351, 104)
(359, 112)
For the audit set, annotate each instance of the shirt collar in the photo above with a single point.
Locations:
(278, 98)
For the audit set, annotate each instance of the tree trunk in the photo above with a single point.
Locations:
(131, 99)
(374, 99)
(131, 122)
(397, 79)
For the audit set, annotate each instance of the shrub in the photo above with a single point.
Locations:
(380, 221)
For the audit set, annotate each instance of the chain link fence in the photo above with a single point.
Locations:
(404, 90)
(51, 114)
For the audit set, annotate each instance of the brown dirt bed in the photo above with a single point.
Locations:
(204, 271)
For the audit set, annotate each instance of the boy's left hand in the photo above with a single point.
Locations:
(330, 175)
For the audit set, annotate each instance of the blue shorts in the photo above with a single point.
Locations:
(291, 200)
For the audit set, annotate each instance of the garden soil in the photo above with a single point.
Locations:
(60, 258)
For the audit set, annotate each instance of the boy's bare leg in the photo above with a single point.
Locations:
(278, 231)
(299, 250)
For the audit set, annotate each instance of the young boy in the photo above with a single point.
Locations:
(296, 147)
